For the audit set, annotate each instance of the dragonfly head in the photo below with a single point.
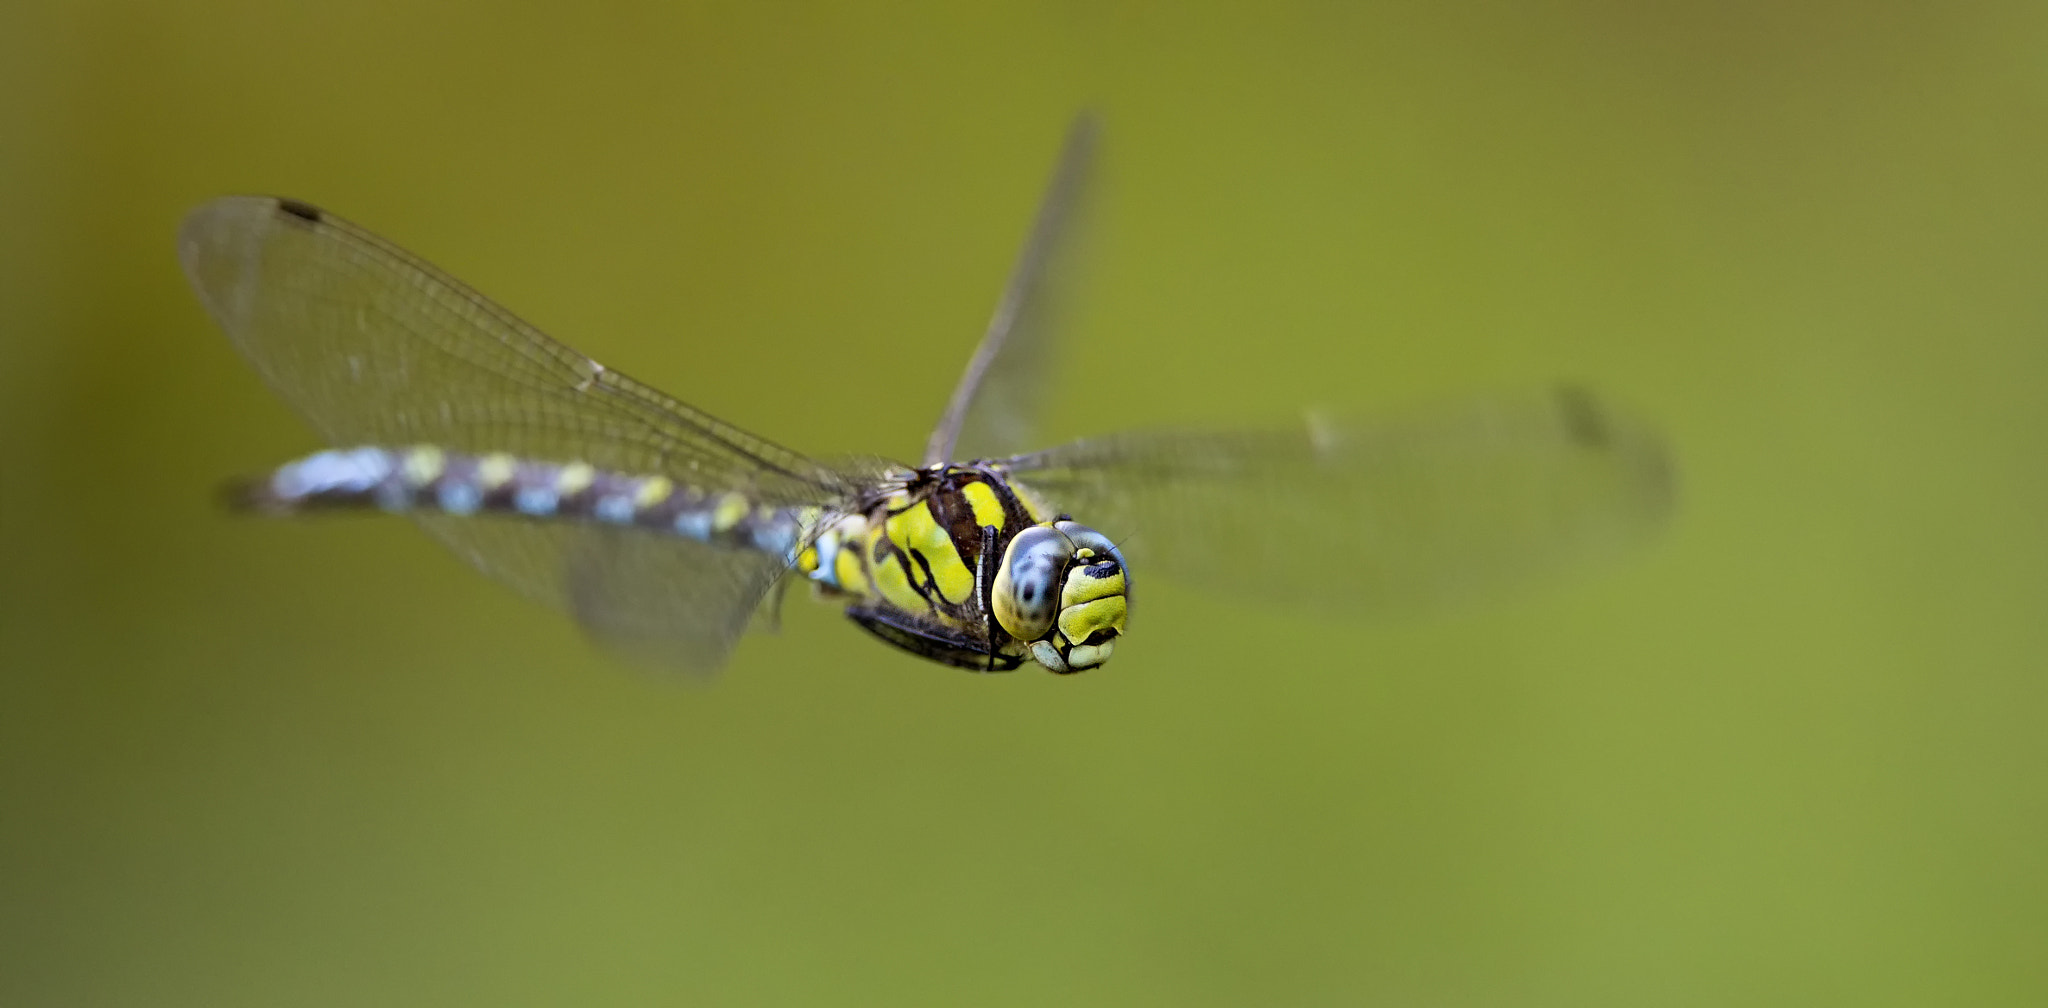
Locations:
(1062, 591)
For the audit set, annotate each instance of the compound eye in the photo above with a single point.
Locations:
(1097, 545)
(1026, 594)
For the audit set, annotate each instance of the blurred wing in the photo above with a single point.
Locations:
(374, 346)
(1369, 516)
(660, 600)
(625, 591)
(995, 406)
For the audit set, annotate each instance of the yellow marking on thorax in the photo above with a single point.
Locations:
(916, 529)
(987, 509)
(888, 577)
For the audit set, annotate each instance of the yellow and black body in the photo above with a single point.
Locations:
(957, 564)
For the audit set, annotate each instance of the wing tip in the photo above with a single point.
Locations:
(226, 220)
(300, 209)
(1586, 419)
(1592, 422)
(220, 243)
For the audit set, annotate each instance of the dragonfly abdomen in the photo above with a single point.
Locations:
(430, 479)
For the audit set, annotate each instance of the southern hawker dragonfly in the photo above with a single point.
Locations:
(665, 531)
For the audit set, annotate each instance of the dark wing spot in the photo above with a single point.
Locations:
(304, 211)
(1582, 417)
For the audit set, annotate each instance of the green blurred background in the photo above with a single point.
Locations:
(1792, 754)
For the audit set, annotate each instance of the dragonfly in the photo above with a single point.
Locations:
(666, 533)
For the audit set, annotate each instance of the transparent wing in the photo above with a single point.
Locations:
(660, 600)
(995, 406)
(1363, 515)
(374, 346)
(625, 590)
